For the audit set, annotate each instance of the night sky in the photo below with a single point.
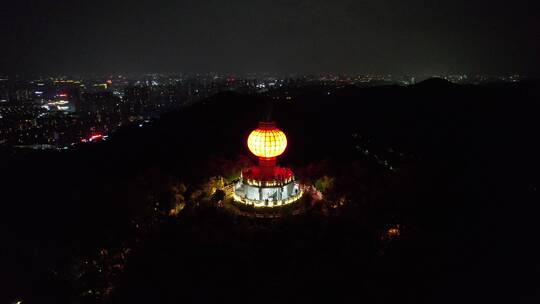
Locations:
(282, 36)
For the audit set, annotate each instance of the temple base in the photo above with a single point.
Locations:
(257, 190)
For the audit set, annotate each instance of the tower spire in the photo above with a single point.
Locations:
(269, 111)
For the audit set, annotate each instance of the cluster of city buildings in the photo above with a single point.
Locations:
(58, 112)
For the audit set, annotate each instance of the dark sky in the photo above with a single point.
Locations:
(280, 36)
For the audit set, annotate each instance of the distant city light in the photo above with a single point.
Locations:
(95, 137)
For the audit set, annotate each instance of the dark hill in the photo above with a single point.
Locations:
(435, 83)
(471, 163)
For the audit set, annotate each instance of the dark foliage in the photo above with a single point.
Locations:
(465, 195)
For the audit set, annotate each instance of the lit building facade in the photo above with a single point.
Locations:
(267, 185)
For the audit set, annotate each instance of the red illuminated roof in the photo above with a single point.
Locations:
(259, 174)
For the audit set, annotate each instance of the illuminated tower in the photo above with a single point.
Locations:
(267, 185)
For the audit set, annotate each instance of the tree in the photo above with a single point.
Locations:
(324, 184)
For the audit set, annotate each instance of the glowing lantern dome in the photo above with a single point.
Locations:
(267, 141)
(267, 185)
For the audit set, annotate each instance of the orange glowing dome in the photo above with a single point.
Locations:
(267, 141)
